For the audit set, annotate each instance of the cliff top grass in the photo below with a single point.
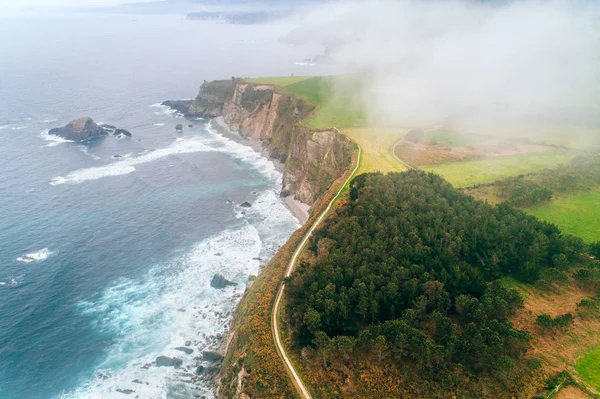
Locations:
(576, 215)
(375, 144)
(280, 81)
(576, 349)
(336, 98)
(588, 367)
(463, 174)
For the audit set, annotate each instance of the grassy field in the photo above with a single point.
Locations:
(375, 144)
(278, 81)
(455, 139)
(577, 215)
(463, 174)
(336, 98)
(588, 368)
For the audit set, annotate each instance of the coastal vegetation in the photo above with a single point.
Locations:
(375, 144)
(252, 365)
(409, 273)
(565, 195)
(462, 174)
(577, 215)
(588, 367)
(280, 81)
(336, 99)
(413, 288)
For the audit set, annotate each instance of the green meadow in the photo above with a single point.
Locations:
(578, 215)
(468, 173)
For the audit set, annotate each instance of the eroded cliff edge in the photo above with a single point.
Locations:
(313, 158)
(316, 163)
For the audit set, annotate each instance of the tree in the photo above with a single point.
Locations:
(380, 346)
(324, 346)
(545, 322)
(344, 345)
(553, 279)
(312, 320)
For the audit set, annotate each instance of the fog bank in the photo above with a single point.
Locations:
(488, 67)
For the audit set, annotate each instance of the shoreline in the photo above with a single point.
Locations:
(299, 209)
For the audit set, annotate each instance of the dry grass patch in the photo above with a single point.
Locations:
(572, 393)
(561, 349)
(376, 145)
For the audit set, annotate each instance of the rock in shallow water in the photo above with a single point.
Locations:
(165, 361)
(79, 130)
(184, 349)
(211, 356)
(246, 204)
(126, 391)
(122, 133)
(218, 281)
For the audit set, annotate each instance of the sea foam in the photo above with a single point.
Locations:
(173, 304)
(126, 166)
(53, 139)
(37, 256)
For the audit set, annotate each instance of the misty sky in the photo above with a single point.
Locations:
(18, 4)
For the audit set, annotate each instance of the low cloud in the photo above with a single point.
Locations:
(482, 66)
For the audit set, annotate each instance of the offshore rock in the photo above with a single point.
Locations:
(218, 281)
(181, 106)
(81, 129)
(212, 356)
(188, 351)
(165, 361)
(122, 133)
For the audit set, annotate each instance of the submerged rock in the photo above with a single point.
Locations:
(184, 349)
(165, 361)
(179, 127)
(218, 281)
(122, 133)
(79, 130)
(246, 204)
(181, 106)
(190, 126)
(212, 356)
(126, 391)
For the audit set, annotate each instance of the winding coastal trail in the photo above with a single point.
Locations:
(393, 152)
(302, 391)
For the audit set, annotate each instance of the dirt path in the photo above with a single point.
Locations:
(302, 391)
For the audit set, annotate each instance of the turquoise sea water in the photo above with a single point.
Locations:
(123, 248)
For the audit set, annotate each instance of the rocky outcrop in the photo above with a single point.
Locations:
(218, 281)
(181, 106)
(211, 356)
(80, 130)
(122, 133)
(165, 361)
(211, 98)
(85, 128)
(313, 158)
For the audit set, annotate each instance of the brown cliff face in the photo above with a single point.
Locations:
(313, 158)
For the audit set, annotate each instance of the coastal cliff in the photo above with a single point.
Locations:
(313, 158)
(316, 162)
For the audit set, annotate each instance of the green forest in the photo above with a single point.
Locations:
(409, 271)
(579, 175)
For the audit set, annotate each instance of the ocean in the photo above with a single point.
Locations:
(107, 248)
